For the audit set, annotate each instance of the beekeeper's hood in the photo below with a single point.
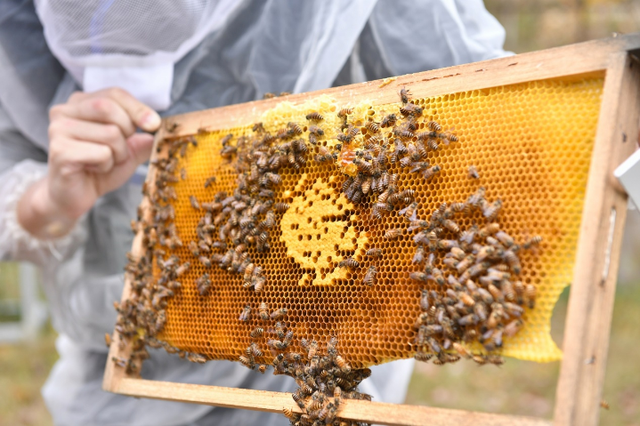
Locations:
(133, 45)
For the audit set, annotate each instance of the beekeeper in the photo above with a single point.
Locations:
(82, 84)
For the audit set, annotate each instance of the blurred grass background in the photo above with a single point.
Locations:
(518, 387)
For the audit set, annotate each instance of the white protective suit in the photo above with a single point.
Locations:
(260, 46)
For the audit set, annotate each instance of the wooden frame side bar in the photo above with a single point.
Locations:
(114, 375)
(588, 320)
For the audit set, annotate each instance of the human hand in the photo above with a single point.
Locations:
(93, 149)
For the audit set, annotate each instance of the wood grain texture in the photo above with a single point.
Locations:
(577, 60)
(373, 412)
(588, 321)
(112, 373)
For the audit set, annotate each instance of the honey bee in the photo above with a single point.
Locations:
(348, 262)
(513, 309)
(431, 172)
(495, 293)
(490, 211)
(473, 172)
(389, 120)
(344, 112)
(342, 364)
(268, 95)
(289, 414)
(293, 129)
(393, 234)
(206, 262)
(410, 109)
(172, 127)
(604, 404)
(409, 212)
(107, 339)
(247, 362)
(314, 116)
(451, 225)
(466, 298)
(488, 230)
(262, 368)
(530, 295)
(477, 198)
(508, 290)
(418, 276)
(513, 261)
(418, 257)
(436, 275)
(447, 244)
(372, 126)
(374, 252)
(369, 278)
(533, 241)
(200, 359)
(494, 359)
(194, 202)
(430, 262)
(182, 269)
(257, 332)
(505, 238)
(279, 313)
(513, 327)
(245, 315)
(264, 311)
(120, 362)
(434, 126)
(315, 130)
(405, 95)
(281, 207)
(194, 249)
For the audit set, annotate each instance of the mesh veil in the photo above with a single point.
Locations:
(144, 35)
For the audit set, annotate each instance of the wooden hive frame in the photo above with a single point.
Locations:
(591, 301)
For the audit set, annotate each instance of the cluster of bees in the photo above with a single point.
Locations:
(479, 297)
(323, 380)
(142, 316)
(234, 222)
(366, 161)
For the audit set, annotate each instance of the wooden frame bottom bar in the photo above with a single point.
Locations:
(372, 412)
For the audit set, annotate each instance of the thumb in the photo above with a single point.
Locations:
(140, 146)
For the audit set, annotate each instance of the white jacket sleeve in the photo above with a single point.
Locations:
(21, 165)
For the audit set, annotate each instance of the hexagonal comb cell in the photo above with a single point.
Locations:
(528, 145)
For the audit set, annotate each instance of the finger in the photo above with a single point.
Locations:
(140, 145)
(98, 109)
(142, 115)
(69, 156)
(105, 134)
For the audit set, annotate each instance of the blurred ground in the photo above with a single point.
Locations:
(518, 387)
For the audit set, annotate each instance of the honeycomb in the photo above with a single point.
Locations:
(531, 146)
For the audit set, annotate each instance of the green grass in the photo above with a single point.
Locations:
(24, 368)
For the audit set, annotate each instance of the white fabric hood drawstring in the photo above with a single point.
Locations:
(132, 45)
